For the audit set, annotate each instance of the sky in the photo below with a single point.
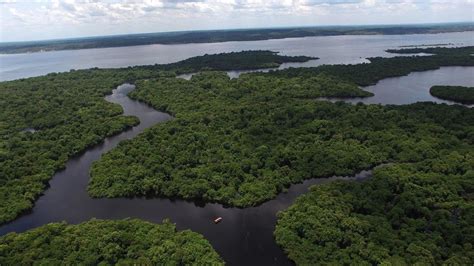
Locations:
(40, 20)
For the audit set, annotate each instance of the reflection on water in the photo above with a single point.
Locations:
(330, 49)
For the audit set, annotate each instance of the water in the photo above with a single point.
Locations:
(415, 87)
(331, 50)
(244, 237)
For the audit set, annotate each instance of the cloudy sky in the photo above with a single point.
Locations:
(34, 20)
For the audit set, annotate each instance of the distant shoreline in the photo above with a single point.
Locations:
(218, 36)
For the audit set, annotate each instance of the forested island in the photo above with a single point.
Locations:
(212, 36)
(102, 242)
(467, 51)
(464, 95)
(240, 142)
(245, 60)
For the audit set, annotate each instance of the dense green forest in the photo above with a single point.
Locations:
(458, 94)
(67, 113)
(233, 61)
(101, 242)
(242, 141)
(419, 209)
(210, 36)
(467, 50)
(406, 214)
(46, 120)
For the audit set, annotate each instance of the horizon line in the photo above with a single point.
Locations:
(234, 29)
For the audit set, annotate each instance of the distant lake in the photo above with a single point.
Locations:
(330, 49)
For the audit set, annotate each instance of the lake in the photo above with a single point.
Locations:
(350, 49)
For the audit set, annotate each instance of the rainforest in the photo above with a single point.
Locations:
(240, 143)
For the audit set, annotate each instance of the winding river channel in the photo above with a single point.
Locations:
(245, 237)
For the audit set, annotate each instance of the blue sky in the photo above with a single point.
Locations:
(36, 20)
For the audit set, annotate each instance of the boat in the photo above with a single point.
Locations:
(217, 220)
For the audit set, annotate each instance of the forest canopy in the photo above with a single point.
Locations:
(466, 51)
(46, 120)
(460, 94)
(406, 214)
(102, 242)
(244, 60)
(242, 141)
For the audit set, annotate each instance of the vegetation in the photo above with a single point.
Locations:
(224, 36)
(100, 242)
(233, 61)
(68, 114)
(46, 120)
(417, 210)
(413, 213)
(467, 51)
(458, 94)
(242, 141)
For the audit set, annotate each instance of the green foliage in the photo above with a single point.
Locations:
(46, 120)
(241, 141)
(101, 242)
(412, 213)
(466, 51)
(233, 61)
(459, 94)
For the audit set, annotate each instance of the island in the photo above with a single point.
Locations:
(459, 94)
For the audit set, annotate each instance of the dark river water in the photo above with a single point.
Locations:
(349, 49)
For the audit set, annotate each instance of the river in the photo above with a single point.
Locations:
(350, 49)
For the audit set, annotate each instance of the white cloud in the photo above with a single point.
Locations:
(66, 18)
